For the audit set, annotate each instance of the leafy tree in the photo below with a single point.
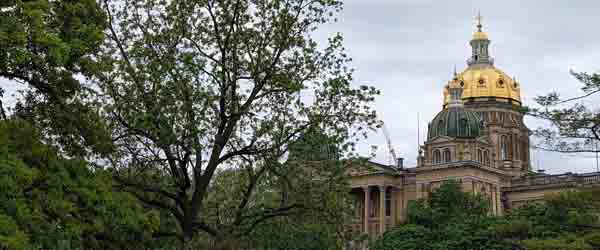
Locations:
(203, 86)
(568, 220)
(51, 46)
(447, 219)
(48, 202)
(323, 194)
(575, 125)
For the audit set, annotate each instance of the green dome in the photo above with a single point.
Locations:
(456, 122)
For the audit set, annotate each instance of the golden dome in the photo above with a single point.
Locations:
(480, 35)
(482, 82)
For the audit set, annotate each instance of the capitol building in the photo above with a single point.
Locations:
(478, 139)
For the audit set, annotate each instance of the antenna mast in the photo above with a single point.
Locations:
(419, 133)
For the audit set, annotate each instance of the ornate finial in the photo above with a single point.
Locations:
(478, 20)
(455, 75)
(455, 94)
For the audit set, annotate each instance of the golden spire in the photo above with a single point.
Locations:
(455, 74)
(479, 34)
(478, 20)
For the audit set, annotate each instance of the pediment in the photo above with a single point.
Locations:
(369, 168)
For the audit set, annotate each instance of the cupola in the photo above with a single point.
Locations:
(455, 121)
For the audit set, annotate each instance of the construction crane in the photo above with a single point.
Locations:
(391, 156)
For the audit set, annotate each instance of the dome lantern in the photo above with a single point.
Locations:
(480, 46)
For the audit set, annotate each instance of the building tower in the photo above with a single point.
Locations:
(496, 98)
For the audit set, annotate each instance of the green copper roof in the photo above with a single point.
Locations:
(456, 122)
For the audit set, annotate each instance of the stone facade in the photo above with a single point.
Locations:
(479, 139)
(384, 192)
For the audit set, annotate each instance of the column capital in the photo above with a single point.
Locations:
(365, 188)
(381, 187)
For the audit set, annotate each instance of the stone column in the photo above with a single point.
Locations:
(394, 208)
(381, 209)
(499, 208)
(366, 215)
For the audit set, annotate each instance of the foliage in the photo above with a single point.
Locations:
(48, 202)
(51, 46)
(294, 234)
(555, 244)
(451, 219)
(447, 219)
(317, 220)
(568, 220)
(575, 125)
(200, 88)
(448, 204)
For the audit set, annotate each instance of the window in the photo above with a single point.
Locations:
(479, 155)
(516, 149)
(357, 206)
(503, 148)
(437, 157)
(447, 157)
(486, 157)
(388, 202)
(372, 205)
(440, 127)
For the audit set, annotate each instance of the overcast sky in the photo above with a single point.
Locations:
(408, 48)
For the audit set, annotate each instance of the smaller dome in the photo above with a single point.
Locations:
(480, 35)
(456, 122)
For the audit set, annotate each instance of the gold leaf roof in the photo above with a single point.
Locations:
(485, 81)
(480, 35)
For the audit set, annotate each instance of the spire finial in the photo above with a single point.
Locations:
(455, 74)
(478, 20)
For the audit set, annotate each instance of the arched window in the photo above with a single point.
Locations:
(486, 157)
(437, 157)
(479, 155)
(447, 156)
(503, 148)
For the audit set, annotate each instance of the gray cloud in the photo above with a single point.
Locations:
(408, 49)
